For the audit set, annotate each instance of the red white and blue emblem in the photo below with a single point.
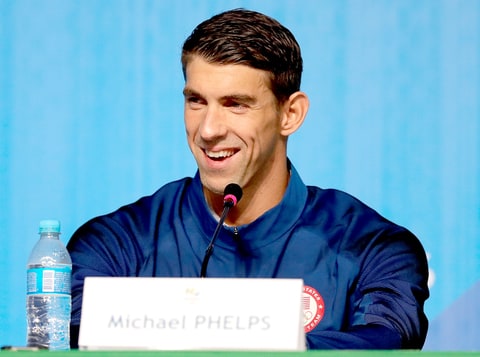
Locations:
(313, 308)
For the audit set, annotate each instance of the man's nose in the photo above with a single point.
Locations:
(213, 123)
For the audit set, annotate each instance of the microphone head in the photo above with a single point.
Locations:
(232, 194)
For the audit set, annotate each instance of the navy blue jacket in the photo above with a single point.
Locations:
(369, 274)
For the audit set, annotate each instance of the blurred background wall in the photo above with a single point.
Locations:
(91, 118)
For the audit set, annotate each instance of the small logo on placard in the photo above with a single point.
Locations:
(192, 295)
(313, 308)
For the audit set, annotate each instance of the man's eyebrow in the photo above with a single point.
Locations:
(241, 98)
(187, 92)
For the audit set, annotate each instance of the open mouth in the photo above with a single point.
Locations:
(219, 155)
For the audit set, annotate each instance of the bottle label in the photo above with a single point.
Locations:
(51, 280)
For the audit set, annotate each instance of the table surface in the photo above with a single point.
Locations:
(317, 353)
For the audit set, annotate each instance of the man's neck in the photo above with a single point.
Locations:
(255, 201)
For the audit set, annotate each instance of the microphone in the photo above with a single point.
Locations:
(231, 195)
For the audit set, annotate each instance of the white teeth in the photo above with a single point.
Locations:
(219, 154)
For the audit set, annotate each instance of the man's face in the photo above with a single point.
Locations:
(232, 121)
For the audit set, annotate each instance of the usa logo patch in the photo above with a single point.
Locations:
(313, 308)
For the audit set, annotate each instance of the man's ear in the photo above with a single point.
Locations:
(294, 111)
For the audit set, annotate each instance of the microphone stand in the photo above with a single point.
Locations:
(229, 203)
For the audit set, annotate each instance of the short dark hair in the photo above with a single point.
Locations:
(249, 38)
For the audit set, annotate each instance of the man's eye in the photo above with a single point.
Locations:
(236, 106)
(194, 101)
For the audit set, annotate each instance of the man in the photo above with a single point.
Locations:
(368, 276)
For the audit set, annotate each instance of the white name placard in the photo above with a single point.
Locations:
(192, 314)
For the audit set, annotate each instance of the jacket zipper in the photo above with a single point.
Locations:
(236, 235)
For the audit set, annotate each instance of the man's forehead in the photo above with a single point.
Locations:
(198, 61)
(230, 79)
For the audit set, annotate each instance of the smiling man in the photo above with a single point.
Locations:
(237, 131)
(365, 277)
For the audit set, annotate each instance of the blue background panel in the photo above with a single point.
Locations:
(91, 118)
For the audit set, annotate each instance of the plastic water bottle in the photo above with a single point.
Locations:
(49, 271)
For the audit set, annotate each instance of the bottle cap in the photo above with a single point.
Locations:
(49, 225)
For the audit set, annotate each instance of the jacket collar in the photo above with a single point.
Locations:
(272, 225)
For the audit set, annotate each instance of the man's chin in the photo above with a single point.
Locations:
(215, 187)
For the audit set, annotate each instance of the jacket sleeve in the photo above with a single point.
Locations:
(101, 247)
(366, 337)
(387, 300)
